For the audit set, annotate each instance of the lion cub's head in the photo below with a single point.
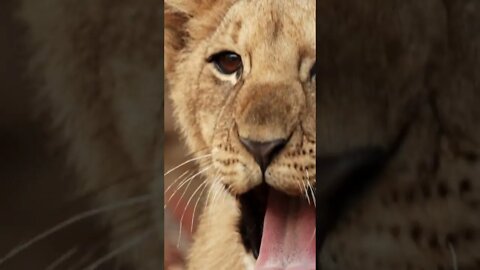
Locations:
(242, 77)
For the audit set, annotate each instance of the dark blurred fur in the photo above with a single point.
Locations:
(100, 66)
(384, 65)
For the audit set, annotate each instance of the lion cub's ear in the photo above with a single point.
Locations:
(179, 15)
(175, 33)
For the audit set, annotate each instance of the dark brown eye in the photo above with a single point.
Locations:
(227, 62)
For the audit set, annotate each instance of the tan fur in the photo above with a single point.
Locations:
(99, 65)
(274, 98)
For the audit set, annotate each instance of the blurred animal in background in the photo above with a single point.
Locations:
(399, 131)
(398, 125)
(99, 64)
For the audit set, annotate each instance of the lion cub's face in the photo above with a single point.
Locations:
(244, 90)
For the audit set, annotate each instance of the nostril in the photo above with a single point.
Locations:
(263, 152)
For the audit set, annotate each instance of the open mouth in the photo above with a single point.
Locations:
(278, 229)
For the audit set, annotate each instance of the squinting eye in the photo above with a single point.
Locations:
(313, 71)
(227, 62)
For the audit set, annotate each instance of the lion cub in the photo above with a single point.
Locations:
(242, 80)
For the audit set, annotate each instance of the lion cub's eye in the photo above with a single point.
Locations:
(226, 62)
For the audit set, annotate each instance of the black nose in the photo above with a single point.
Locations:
(263, 152)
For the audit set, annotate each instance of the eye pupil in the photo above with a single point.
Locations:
(227, 62)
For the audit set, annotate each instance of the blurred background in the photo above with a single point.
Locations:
(34, 179)
(176, 192)
(36, 184)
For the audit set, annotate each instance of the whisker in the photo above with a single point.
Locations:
(312, 192)
(78, 200)
(300, 186)
(188, 172)
(216, 191)
(186, 162)
(454, 256)
(225, 194)
(183, 194)
(64, 257)
(132, 177)
(88, 254)
(183, 183)
(135, 241)
(306, 191)
(136, 175)
(193, 153)
(209, 192)
(72, 220)
(92, 246)
(124, 179)
(307, 184)
(185, 210)
(196, 203)
(86, 243)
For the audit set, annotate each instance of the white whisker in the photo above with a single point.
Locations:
(183, 194)
(176, 180)
(312, 192)
(306, 191)
(210, 192)
(225, 194)
(85, 258)
(185, 210)
(183, 183)
(186, 162)
(72, 220)
(311, 189)
(196, 204)
(216, 192)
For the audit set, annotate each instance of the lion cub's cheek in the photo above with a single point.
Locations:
(232, 164)
(294, 170)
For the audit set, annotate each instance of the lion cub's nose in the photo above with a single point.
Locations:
(263, 152)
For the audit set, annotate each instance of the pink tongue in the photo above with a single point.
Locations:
(288, 241)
